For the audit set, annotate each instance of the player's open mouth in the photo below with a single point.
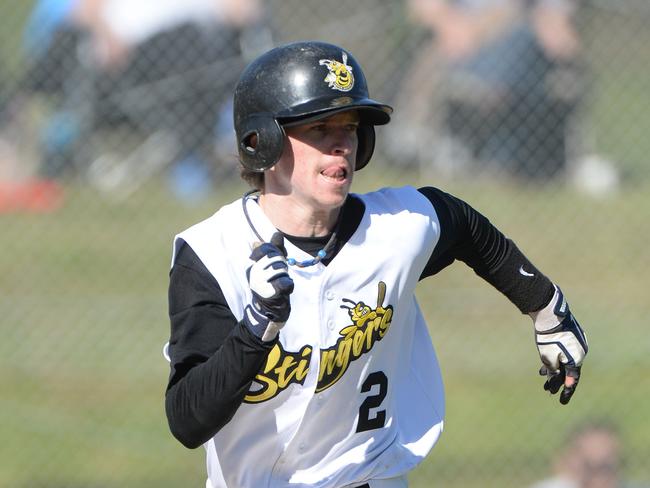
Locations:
(335, 173)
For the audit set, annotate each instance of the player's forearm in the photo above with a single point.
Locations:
(497, 260)
(519, 280)
(213, 357)
(208, 395)
(470, 237)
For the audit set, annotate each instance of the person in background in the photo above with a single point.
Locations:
(592, 457)
(503, 79)
(144, 65)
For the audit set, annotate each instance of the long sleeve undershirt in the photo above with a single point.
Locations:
(214, 358)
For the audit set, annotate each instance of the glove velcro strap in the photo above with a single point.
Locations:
(561, 306)
(260, 325)
(255, 321)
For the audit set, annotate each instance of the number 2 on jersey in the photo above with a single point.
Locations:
(373, 420)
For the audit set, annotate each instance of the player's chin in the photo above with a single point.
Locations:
(333, 196)
(336, 192)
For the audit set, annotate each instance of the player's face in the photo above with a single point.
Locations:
(317, 165)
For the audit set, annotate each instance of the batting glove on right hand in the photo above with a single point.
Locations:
(271, 287)
(562, 346)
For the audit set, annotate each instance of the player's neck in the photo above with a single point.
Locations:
(297, 218)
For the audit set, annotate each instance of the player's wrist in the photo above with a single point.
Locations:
(260, 325)
(552, 315)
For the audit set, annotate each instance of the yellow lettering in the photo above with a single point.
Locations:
(343, 354)
(281, 369)
(327, 359)
(269, 390)
(385, 322)
(273, 358)
(303, 364)
(357, 345)
(287, 371)
(368, 332)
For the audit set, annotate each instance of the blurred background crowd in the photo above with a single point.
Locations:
(127, 92)
(133, 90)
(116, 132)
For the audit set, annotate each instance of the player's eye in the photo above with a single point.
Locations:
(351, 127)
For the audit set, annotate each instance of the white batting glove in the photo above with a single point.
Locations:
(271, 287)
(562, 346)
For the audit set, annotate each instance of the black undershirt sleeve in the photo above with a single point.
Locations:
(468, 236)
(213, 357)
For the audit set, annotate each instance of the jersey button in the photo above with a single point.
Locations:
(302, 447)
(330, 325)
(329, 295)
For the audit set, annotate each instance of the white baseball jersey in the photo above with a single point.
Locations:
(352, 391)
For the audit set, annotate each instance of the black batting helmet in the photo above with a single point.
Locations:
(296, 83)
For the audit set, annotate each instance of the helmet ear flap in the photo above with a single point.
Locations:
(365, 145)
(261, 143)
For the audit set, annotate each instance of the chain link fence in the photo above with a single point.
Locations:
(116, 133)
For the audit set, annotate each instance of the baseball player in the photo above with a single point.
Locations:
(299, 355)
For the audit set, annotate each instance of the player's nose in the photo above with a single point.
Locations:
(344, 142)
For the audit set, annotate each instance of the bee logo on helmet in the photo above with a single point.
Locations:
(340, 75)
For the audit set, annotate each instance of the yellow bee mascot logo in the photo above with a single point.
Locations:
(340, 75)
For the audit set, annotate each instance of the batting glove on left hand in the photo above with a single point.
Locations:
(562, 346)
(271, 287)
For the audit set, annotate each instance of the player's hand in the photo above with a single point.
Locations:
(271, 287)
(562, 346)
